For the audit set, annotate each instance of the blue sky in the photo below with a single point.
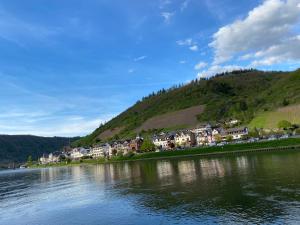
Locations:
(66, 66)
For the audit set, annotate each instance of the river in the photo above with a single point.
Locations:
(258, 188)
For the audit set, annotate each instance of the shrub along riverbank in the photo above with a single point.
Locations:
(205, 151)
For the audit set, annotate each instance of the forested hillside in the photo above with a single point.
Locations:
(16, 148)
(240, 94)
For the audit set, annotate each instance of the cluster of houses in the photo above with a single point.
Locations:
(204, 135)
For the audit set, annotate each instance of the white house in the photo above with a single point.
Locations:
(185, 138)
(51, 158)
(78, 153)
(44, 159)
(202, 128)
(204, 138)
(163, 141)
(237, 133)
(101, 151)
(120, 146)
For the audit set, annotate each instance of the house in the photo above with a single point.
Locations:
(203, 134)
(135, 144)
(202, 128)
(101, 151)
(98, 151)
(204, 138)
(185, 139)
(51, 158)
(237, 133)
(44, 159)
(121, 147)
(164, 141)
(232, 122)
(54, 157)
(78, 153)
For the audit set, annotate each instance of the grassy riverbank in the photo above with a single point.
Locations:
(230, 148)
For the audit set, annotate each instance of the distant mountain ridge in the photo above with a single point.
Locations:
(16, 148)
(243, 95)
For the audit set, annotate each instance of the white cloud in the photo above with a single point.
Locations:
(20, 31)
(289, 51)
(167, 16)
(215, 69)
(182, 62)
(68, 127)
(140, 58)
(164, 3)
(194, 48)
(267, 25)
(184, 5)
(186, 42)
(200, 65)
(131, 70)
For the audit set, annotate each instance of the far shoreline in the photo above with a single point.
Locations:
(232, 149)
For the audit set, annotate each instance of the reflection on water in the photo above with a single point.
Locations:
(258, 188)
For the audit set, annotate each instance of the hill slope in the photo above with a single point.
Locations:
(271, 119)
(240, 94)
(16, 148)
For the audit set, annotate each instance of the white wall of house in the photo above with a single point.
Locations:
(161, 143)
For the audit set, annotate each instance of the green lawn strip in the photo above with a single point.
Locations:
(225, 148)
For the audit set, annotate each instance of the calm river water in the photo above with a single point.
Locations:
(260, 188)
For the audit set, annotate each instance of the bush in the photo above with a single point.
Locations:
(229, 138)
(120, 154)
(285, 102)
(129, 154)
(147, 146)
(284, 124)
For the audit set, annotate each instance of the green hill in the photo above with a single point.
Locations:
(243, 95)
(16, 148)
(270, 119)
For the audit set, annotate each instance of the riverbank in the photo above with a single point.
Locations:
(285, 144)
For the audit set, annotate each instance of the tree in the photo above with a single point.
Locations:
(285, 102)
(254, 133)
(147, 146)
(29, 160)
(284, 124)
(297, 131)
(218, 138)
(229, 138)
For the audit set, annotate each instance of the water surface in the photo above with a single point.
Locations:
(260, 188)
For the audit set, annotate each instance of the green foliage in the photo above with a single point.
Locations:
(17, 148)
(218, 138)
(229, 138)
(147, 146)
(120, 154)
(241, 94)
(129, 154)
(284, 124)
(29, 160)
(285, 102)
(254, 133)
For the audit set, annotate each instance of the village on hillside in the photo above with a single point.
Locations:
(200, 136)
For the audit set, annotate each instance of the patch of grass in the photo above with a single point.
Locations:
(271, 119)
(226, 148)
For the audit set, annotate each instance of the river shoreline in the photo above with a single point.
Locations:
(231, 149)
